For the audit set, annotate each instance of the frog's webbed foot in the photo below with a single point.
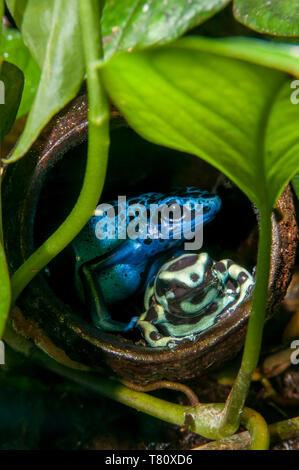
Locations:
(100, 315)
(242, 278)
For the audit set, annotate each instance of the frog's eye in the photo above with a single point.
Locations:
(206, 209)
(172, 202)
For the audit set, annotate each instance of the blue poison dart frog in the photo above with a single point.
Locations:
(111, 267)
(188, 295)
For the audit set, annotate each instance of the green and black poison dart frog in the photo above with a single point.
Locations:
(112, 268)
(188, 295)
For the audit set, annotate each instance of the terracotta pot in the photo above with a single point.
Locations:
(55, 327)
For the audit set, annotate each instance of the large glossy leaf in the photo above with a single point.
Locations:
(126, 24)
(224, 110)
(131, 24)
(5, 292)
(11, 86)
(59, 50)
(54, 41)
(278, 17)
(281, 56)
(13, 49)
(281, 146)
(35, 33)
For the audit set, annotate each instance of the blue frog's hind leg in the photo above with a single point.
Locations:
(93, 293)
(100, 315)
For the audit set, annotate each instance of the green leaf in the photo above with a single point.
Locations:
(55, 41)
(295, 183)
(282, 142)
(126, 25)
(131, 24)
(11, 87)
(5, 292)
(280, 56)
(223, 110)
(17, 8)
(14, 50)
(277, 17)
(35, 33)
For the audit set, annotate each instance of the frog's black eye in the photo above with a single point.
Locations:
(205, 209)
(172, 202)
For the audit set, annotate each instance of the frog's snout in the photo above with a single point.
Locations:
(209, 203)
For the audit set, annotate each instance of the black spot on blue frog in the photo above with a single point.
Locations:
(126, 242)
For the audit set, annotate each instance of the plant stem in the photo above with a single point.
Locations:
(231, 415)
(201, 416)
(288, 429)
(257, 428)
(98, 146)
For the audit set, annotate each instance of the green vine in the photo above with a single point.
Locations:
(231, 416)
(98, 146)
